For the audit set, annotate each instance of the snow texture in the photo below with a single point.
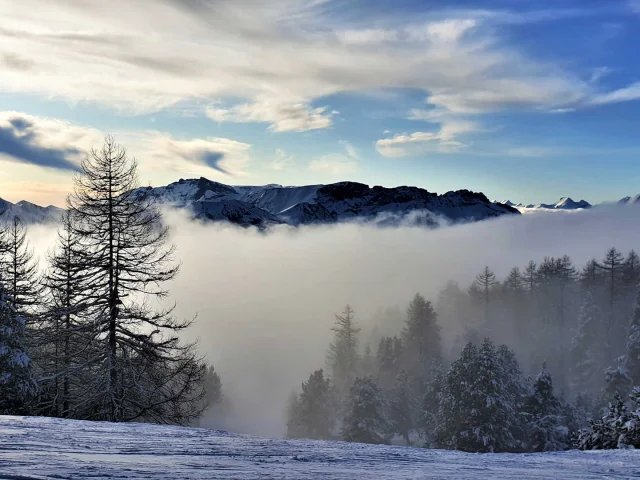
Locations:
(46, 448)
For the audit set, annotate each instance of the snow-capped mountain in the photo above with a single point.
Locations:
(565, 203)
(262, 206)
(28, 213)
(629, 200)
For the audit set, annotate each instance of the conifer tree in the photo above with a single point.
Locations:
(591, 277)
(421, 338)
(388, 361)
(16, 386)
(546, 423)
(402, 407)
(365, 418)
(531, 277)
(485, 281)
(141, 371)
(21, 272)
(314, 408)
(612, 268)
(435, 400)
(64, 338)
(587, 351)
(342, 356)
(625, 374)
(483, 390)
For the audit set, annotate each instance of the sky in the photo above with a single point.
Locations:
(522, 100)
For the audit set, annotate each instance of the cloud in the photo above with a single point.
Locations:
(444, 140)
(282, 161)
(42, 142)
(350, 150)
(335, 164)
(192, 156)
(632, 92)
(274, 58)
(281, 115)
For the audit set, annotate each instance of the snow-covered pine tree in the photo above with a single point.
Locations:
(402, 407)
(141, 370)
(365, 419)
(587, 351)
(618, 428)
(547, 428)
(625, 374)
(421, 341)
(483, 390)
(342, 357)
(16, 386)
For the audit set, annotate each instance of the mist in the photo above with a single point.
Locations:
(265, 302)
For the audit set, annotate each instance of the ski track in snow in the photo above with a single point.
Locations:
(47, 448)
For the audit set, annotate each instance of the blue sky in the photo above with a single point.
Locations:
(522, 100)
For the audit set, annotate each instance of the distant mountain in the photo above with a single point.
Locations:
(565, 203)
(29, 213)
(629, 200)
(266, 205)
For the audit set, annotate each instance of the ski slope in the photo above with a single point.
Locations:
(45, 448)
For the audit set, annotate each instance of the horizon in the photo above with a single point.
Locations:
(526, 102)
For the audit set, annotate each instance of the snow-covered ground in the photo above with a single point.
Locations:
(45, 448)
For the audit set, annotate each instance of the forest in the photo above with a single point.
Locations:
(81, 338)
(547, 358)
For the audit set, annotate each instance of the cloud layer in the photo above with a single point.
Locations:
(276, 58)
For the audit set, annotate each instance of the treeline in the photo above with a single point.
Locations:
(86, 339)
(569, 378)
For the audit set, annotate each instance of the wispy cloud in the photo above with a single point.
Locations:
(282, 161)
(335, 164)
(446, 139)
(281, 115)
(350, 150)
(274, 58)
(626, 94)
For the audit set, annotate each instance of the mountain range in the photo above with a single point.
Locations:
(565, 203)
(266, 205)
(28, 212)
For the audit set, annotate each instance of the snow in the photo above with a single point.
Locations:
(46, 448)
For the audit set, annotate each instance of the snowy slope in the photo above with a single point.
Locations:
(313, 204)
(45, 448)
(28, 212)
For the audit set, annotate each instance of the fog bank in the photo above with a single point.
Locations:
(265, 302)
